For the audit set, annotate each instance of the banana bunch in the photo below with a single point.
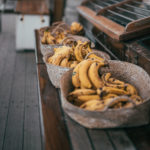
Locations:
(95, 92)
(67, 56)
(76, 28)
(59, 31)
(48, 38)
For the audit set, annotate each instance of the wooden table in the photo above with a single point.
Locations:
(62, 133)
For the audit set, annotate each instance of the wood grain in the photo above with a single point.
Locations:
(32, 7)
(55, 130)
(38, 55)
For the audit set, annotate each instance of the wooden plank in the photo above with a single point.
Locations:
(32, 7)
(78, 135)
(14, 127)
(100, 140)
(38, 55)
(120, 140)
(140, 136)
(32, 130)
(75, 132)
(6, 77)
(55, 129)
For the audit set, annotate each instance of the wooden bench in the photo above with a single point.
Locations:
(62, 133)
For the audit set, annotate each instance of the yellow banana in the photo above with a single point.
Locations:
(73, 64)
(83, 74)
(112, 90)
(115, 81)
(43, 40)
(137, 99)
(75, 76)
(57, 59)
(79, 92)
(64, 62)
(96, 57)
(78, 52)
(93, 74)
(108, 96)
(50, 59)
(131, 89)
(93, 105)
(84, 98)
(105, 77)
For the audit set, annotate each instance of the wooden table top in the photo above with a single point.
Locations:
(62, 133)
(32, 7)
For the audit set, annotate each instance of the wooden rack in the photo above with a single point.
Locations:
(121, 20)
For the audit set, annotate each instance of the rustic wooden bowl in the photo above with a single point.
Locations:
(55, 72)
(112, 118)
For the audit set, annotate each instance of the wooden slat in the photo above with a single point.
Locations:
(32, 7)
(100, 140)
(55, 130)
(78, 135)
(14, 127)
(120, 140)
(7, 62)
(32, 130)
(140, 137)
(38, 54)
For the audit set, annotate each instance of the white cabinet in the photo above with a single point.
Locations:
(25, 26)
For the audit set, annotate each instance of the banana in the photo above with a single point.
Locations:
(50, 59)
(96, 57)
(73, 64)
(115, 81)
(93, 105)
(105, 77)
(79, 92)
(83, 74)
(78, 52)
(64, 62)
(75, 76)
(131, 89)
(57, 59)
(119, 103)
(137, 99)
(94, 75)
(84, 98)
(108, 96)
(43, 40)
(111, 90)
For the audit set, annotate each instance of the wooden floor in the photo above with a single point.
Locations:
(20, 127)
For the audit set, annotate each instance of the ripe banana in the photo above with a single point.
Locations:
(64, 63)
(111, 90)
(83, 74)
(73, 64)
(84, 98)
(79, 92)
(108, 96)
(115, 81)
(43, 40)
(131, 89)
(94, 75)
(96, 57)
(75, 76)
(78, 52)
(105, 77)
(137, 99)
(93, 105)
(57, 59)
